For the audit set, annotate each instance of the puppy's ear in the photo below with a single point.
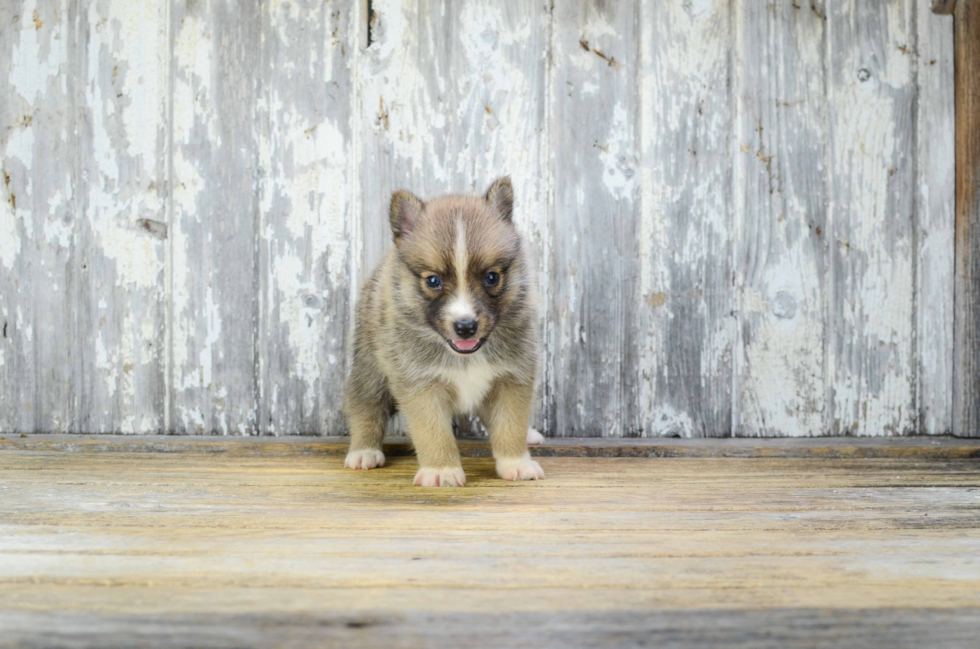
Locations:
(405, 211)
(501, 197)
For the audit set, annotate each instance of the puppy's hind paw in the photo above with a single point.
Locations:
(534, 436)
(447, 476)
(519, 468)
(365, 458)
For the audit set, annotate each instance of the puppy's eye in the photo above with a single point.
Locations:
(491, 279)
(433, 282)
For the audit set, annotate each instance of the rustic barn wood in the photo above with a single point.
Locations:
(741, 214)
(935, 204)
(213, 256)
(307, 213)
(228, 549)
(904, 628)
(781, 194)
(686, 298)
(966, 369)
(120, 229)
(870, 218)
(594, 245)
(38, 216)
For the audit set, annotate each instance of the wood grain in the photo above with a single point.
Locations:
(121, 226)
(905, 628)
(213, 257)
(686, 298)
(451, 96)
(780, 210)
(307, 213)
(966, 368)
(108, 542)
(37, 215)
(935, 226)
(870, 230)
(593, 113)
(741, 215)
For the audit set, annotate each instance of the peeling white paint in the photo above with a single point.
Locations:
(36, 62)
(667, 422)
(685, 214)
(192, 56)
(307, 222)
(936, 182)
(103, 363)
(20, 148)
(195, 306)
(399, 102)
(617, 155)
(132, 34)
(873, 337)
(192, 418)
(188, 186)
(780, 141)
(58, 230)
(402, 114)
(10, 243)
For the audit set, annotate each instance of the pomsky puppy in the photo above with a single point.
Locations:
(447, 324)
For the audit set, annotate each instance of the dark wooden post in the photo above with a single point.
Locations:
(966, 336)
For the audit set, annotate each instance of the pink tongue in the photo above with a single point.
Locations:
(466, 345)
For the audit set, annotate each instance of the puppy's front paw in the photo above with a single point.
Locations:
(519, 468)
(534, 436)
(447, 476)
(365, 458)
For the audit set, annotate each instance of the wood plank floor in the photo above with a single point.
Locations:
(230, 549)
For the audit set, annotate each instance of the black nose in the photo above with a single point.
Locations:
(465, 328)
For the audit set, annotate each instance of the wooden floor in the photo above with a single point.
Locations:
(118, 546)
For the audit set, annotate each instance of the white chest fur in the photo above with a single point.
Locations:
(471, 382)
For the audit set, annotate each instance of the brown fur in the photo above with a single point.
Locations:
(402, 357)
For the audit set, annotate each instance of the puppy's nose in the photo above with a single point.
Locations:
(465, 328)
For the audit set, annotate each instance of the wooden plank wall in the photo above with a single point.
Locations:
(38, 216)
(966, 371)
(742, 213)
(686, 299)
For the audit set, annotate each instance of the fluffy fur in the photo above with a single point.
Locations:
(405, 355)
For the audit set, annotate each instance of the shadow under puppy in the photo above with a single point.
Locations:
(447, 324)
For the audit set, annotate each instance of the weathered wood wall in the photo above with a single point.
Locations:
(742, 212)
(966, 369)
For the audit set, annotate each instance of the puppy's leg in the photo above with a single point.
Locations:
(368, 406)
(506, 413)
(366, 431)
(429, 417)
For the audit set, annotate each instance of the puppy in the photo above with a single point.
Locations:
(445, 325)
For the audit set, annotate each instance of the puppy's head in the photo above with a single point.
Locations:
(460, 261)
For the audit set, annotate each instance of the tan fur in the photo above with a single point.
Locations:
(403, 359)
